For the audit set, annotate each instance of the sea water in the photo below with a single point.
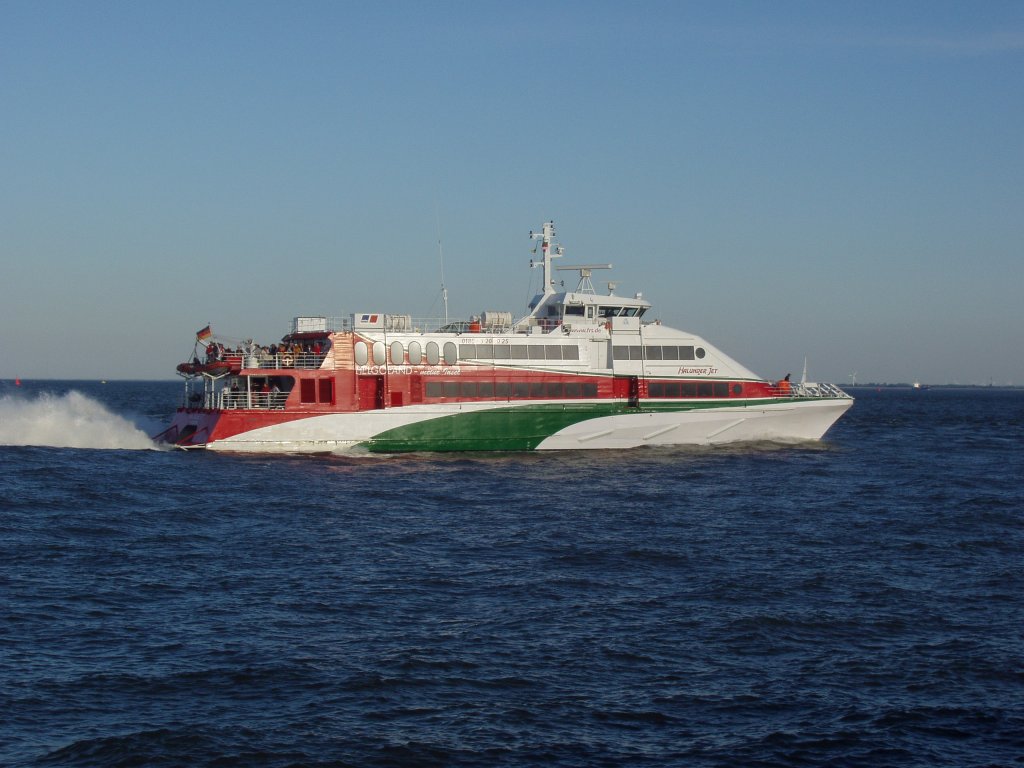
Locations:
(854, 602)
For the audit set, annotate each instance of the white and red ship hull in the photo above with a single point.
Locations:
(581, 371)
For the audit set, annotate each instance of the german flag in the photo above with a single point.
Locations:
(204, 334)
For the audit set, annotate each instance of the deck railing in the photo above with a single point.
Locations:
(267, 401)
(280, 360)
(412, 324)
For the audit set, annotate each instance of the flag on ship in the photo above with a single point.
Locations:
(204, 334)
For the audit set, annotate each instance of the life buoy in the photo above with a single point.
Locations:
(286, 361)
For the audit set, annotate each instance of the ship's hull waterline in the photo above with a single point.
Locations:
(538, 426)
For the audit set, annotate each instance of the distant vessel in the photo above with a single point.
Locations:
(579, 371)
(919, 385)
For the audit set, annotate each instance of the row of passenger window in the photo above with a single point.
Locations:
(511, 389)
(652, 352)
(432, 353)
(519, 352)
(396, 353)
(692, 389)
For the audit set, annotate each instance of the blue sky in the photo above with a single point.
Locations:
(841, 181)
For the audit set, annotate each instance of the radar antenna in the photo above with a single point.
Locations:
(586, 271)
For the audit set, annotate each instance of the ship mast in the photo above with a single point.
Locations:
(546, 236)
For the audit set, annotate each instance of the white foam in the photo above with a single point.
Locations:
(71, 420)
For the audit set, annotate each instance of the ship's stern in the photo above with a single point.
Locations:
(190, 428)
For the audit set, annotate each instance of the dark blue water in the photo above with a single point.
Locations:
(854, 603)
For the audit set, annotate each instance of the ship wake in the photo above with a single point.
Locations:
(71, 420)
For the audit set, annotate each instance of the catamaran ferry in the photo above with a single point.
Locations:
(579, 371)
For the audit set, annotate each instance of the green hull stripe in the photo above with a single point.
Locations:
(521, 428)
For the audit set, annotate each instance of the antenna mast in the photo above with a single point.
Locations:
(440, 256)
(546, 235)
